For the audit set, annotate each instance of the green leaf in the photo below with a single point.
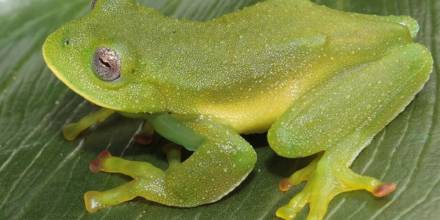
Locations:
(42, 176)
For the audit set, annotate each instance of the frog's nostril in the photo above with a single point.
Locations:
(66, 42)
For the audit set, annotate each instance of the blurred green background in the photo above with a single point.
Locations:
(42, 176)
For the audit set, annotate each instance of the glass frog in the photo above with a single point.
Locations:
(317, 80)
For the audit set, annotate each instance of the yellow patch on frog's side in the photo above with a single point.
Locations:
(256, 112)
(253, 115)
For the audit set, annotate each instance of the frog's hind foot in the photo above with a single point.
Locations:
(326, 179)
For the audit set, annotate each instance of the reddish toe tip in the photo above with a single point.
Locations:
(384, 189)
(95, 165)
(104, 154)
(285, 185)
(143, 139)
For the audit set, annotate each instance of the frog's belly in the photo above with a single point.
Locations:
(253, 113)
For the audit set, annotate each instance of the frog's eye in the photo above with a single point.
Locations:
(107, 64)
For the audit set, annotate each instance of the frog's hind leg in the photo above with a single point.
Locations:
(72, 130)
(340, 118)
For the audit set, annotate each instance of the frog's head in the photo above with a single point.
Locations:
(96, 57)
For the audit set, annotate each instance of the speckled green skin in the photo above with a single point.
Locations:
(318, 79)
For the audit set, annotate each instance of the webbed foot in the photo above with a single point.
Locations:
(326, 179)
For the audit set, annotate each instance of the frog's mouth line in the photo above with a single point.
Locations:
(56, 72)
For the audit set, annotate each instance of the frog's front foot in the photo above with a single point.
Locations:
(326, 179)
(146, 179)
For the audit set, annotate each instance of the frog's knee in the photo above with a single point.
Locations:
(420, 56)
(415, 63)
(279, 141)
(286, 144)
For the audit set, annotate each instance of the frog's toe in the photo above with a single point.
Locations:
(325, 180)
(384, 189)
(289, 211)
(146, 137)
(143, 139)
(94, 200)
(91, 202)
(96, 165)
(72, 131)
(298, 177)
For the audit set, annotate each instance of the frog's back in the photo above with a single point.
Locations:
(256, 43)
(248, 67)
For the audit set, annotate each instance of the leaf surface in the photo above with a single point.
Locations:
(42, 176)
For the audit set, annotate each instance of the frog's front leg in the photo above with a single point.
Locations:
(221, 160)
(339, 119)
(72, 130)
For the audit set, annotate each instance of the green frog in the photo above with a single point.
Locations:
(317, 80)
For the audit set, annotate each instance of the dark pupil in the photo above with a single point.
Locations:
(107, 64)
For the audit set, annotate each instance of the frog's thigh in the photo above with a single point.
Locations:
(339, 119)
(361, 99)
(222, 159)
